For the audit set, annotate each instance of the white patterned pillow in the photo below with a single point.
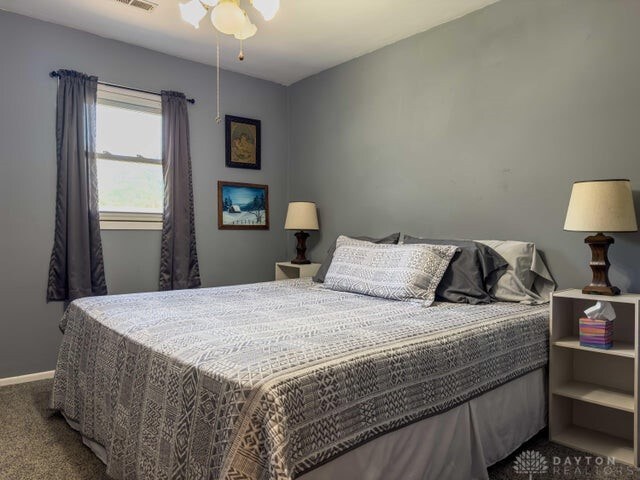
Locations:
(397, 272)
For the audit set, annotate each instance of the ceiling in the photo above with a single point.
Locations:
(306, 37)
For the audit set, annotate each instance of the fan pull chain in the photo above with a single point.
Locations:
(218, 118)
(241, 54)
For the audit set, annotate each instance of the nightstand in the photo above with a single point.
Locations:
(593, 393)
(286, 270)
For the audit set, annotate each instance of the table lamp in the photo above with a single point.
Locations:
(301, 216)
(601, 206)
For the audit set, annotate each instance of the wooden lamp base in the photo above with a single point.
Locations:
(301, 249)
(600, 284)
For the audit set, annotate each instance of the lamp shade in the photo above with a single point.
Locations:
(228, 17)
(601, 206)
(248, 29)
(301, 216)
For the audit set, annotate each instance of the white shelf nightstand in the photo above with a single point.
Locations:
(285, 270)
(593, 393)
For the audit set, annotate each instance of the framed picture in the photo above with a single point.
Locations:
(243, 206)
(243, 142)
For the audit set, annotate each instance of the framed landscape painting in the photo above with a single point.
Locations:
(243, 206)
(242, 139)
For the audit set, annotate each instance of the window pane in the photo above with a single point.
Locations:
(130, 186)
(122, 131)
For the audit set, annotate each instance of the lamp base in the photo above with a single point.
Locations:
(301, 249)
(295, 261)
(600, 284)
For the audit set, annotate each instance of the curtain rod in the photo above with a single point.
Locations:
(190, 100)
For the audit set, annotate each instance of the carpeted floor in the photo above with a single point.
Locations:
(36, 444)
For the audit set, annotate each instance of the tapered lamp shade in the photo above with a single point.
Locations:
(301, 216)
(228, 17)
(248, 29)
(601, 206)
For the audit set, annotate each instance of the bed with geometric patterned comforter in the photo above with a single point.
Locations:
(267, 381)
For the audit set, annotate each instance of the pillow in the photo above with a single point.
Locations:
(473, 271)
(527, 278)
(396, 272)
(322, 271)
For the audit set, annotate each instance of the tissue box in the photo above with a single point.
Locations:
(596, 333)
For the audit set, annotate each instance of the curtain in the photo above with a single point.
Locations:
(76, 269)
(179, 259)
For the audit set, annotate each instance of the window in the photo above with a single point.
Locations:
(128, 146)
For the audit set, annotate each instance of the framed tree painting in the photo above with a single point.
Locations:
(242, 139)
(243, 206)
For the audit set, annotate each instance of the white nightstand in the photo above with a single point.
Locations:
(286, 270)
(593, 393)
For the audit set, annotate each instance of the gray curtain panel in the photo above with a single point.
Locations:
(179, 259)
(76, 269)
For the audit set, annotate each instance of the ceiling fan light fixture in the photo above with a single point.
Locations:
(193, 12)
(228, 17)
(268, 8)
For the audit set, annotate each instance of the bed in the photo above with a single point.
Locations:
(288, 379)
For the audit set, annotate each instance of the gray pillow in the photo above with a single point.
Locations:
(527, 279)
(396, 272)
(473, 271)
(322, 271)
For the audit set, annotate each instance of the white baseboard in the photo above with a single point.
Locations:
(32, 377)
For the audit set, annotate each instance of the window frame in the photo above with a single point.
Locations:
(138, 101)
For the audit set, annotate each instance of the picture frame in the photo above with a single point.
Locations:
(243, 142)
(243, 206)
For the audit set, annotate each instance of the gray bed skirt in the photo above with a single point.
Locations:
(459, 443)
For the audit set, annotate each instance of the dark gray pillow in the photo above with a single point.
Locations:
(474, 269)
(324, 268)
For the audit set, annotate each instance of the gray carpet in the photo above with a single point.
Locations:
(36, 444)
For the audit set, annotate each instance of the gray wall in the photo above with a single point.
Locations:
(477, 128)
(473, 129)
(29, 49)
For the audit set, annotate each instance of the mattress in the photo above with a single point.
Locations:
(271, 380)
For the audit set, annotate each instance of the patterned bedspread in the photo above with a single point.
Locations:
(267, 381)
